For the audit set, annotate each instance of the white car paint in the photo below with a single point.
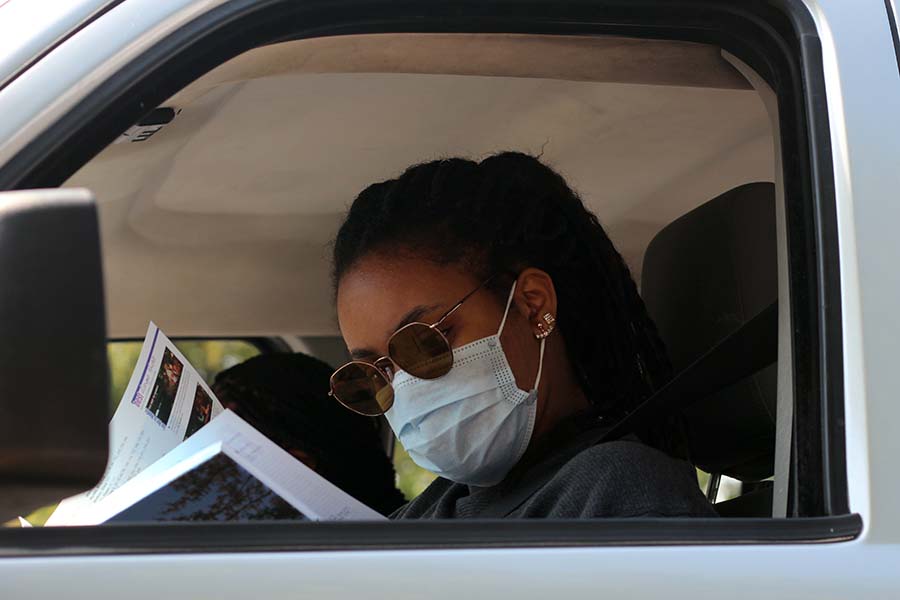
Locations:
(863, 93)
(823, 572)
(28, 28)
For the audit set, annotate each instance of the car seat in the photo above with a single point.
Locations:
(705, 276)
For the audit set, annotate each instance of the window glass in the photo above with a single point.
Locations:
(728, 488)
(207, 356)
(411, 478)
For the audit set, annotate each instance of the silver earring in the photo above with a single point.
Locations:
(545, 328)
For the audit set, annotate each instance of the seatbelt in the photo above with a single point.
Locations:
(749, 349)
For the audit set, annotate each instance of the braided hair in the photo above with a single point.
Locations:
(285, 397)
(509, 212)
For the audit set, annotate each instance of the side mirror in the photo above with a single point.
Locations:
(53, 366)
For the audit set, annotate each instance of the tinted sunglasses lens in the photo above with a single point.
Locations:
(363, 389)
(421, 351)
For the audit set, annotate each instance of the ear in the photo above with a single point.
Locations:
(535, 298)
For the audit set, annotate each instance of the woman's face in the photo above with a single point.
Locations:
(382, 293)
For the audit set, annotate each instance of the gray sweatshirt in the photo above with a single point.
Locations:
(620, 479)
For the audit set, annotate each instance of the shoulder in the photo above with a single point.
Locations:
(615, 458)
(431, 502)
(622, 479)
(633, 467)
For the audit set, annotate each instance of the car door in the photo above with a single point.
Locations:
(840, 535)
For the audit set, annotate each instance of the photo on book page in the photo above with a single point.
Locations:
(165, 388)
(201, 413)
(217, 490)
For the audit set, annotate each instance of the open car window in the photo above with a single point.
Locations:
(227, 193)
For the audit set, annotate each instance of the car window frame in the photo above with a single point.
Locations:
(790, 60)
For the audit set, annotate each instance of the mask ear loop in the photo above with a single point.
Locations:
(537, 379)
(506, 312)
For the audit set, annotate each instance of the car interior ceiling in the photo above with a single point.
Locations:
(227, 210)
(230, 207)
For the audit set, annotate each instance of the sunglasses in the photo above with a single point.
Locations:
(420, 349)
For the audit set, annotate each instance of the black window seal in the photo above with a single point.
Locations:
(275, 536)
(778, 39)
(895, 34)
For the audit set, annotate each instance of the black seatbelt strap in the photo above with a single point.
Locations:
(751, 348)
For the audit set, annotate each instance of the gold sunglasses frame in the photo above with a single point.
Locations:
(393, 364)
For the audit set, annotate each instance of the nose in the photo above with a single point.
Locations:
(386, 366)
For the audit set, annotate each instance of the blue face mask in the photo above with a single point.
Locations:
(473, 424)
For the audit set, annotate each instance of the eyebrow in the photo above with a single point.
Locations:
(413, 315)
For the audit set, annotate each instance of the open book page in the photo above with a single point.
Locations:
(212, 475)
(166, 401)
(217, 489)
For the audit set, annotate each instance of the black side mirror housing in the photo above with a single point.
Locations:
(53, 365)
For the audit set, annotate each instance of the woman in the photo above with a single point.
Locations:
(494, 324)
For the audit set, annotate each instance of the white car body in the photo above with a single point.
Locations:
(862, 83)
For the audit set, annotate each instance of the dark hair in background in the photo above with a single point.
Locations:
(285, 397)
(509, 212)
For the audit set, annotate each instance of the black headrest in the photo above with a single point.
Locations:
(704, 276)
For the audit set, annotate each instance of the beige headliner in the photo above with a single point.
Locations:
(219, 224)
(570, 58)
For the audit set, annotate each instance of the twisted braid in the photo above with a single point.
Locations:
(509, 212)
